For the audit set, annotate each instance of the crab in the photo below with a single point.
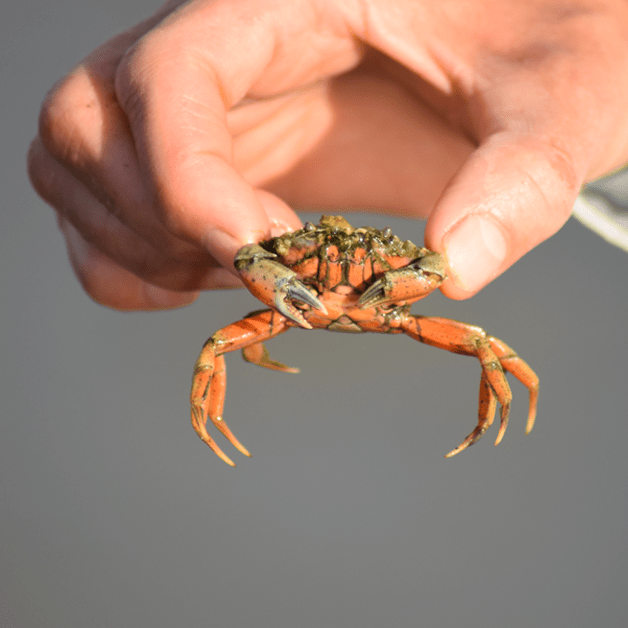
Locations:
(332, 276)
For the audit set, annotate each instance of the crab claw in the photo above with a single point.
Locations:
(409, 283)
(274, 284)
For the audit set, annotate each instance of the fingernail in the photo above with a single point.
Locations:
(222, 247)
(279, 227)
(476, 249)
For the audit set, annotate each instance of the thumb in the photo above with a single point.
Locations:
(510, 195)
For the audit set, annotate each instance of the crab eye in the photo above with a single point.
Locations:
(387, 232)
(309, 226)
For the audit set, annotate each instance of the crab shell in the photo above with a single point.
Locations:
(332, 276)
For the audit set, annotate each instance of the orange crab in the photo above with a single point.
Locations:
(332, 276)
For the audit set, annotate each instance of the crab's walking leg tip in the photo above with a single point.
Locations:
(221, 454)
(223, 457)
(500, 436)
(534, 399)
(240, 447)
(237, 444)
(228, 434)
(530, 423)
(455, 452)
(505, 414)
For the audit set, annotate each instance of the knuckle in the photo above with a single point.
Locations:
(137, 69)
(554, 172)
(126, 85)
(70, 116)
(545, 180)
(561, 164)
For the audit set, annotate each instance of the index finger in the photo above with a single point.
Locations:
(176, 87)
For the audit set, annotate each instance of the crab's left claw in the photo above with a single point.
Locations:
(274, 284)
(406, 284)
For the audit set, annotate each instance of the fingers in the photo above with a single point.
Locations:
(176, 87)
(508, 197)
(542, 137)
(100, 225)
(541, 89)
(83, 129)
(141, 277)
(85, 163)
(111, 285)
(151, 148)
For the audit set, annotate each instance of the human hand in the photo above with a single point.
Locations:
(194, 132)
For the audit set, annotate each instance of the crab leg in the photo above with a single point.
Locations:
(210, 376)
(495, 357)
(258, 354)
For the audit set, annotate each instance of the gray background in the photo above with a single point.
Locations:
(114, 514)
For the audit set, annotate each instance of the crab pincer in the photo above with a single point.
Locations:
(274, 284)
(409, 283)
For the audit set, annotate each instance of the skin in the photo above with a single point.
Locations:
(199, 129)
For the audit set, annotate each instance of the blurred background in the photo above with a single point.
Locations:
(114, 514)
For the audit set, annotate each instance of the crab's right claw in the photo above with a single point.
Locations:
(274, 284)
(406, 284)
